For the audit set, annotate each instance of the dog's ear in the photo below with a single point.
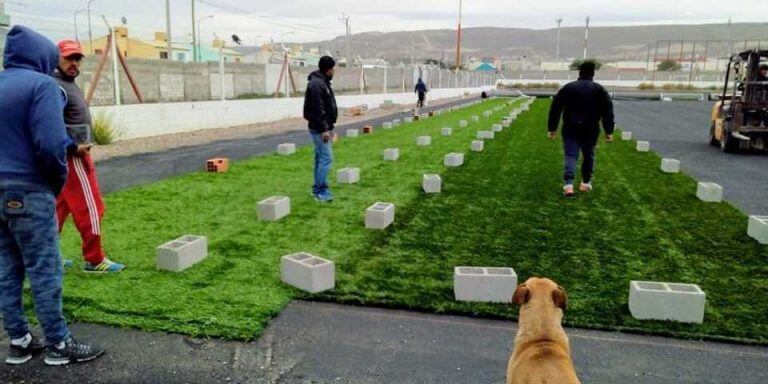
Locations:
(560, 298)
(522, 295)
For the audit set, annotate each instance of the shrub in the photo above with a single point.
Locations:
(646, 86)
(668, 66)
(104, 130)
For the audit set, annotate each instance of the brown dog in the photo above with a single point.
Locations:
(542, 352)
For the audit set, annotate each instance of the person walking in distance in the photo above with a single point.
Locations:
(582, 104)
(421, 90)
(81, 196)
(33, 169)
(321, 114)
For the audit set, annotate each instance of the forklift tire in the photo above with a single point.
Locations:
(713, 141)
(729, 144)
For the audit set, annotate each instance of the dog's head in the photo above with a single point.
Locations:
(541, 290)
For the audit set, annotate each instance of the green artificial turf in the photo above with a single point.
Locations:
(502, 208)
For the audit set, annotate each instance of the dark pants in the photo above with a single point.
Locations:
(572, 149)
(29, 245)
(422, 97)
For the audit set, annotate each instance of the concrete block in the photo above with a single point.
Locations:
(274, 208)
(380, 216)
(391, 154)
(709, 192)
(408, 119)
(396, 122)
(497, 128)
(182, 253)
(348, 175)
(308, 272)
(463, 123)
(353, 132)
(626, 136)
(431, 183)
(475, 119)
(670, 165)
(494, 285)
(286, 149)
(446, 131)
(424, 141)
(485, 135)
(387, 125)
(478, 145)
(666, 301)
(487, 114)
(643, 146)
(454, 160)
(758, 228)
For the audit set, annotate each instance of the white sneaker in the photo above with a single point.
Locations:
(585, 187)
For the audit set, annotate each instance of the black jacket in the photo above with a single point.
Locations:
(582, 104)
(320, 103)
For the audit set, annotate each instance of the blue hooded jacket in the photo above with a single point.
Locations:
(33, 137)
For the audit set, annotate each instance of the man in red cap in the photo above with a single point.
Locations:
(81, 196)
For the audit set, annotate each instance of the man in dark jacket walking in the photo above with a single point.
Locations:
(33, 169)
(321, 113)
(583, 104)
(421, 90)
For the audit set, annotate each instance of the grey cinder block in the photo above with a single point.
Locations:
(454, 160)
(353, 132)
(485, 135)
(446, 131)
(643, 146)
(670, 165)
(348, 175)
(286, 149)
(391, 154)
(484, 284)
(424, 141)
(478, 145)
(380, 215)
(666, 301)
(463, 123)
(274, 208)
(182, 253)
(431, 183)
(758, 228)
(308, 272)
(709, 192)
(626, 136)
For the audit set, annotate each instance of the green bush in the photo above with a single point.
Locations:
(646, 86)
(104, 129)
(668, 65)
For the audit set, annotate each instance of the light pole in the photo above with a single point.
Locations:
(557, 52)
(77, 38)
(287, 64)
(458, 40)
(586, 38)
(90, 33)
(199, 42)
(169, 47)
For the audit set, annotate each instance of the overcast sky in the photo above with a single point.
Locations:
(313, 20)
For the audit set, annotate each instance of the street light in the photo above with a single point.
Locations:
(199, 42)
(90, 33)
(77, 38)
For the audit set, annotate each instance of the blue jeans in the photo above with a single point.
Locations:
(572, 148)
(323, 162)
(29, 244)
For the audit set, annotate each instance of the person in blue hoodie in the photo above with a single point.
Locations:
(33, 169)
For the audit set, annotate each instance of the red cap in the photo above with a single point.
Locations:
(68, 48)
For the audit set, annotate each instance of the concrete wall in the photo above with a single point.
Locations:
(173, 81)
(3, 33)
(616, 75)
(146, 120)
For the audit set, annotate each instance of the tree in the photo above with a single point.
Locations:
(576, 64)
(668, 65)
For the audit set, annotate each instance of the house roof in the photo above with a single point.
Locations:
(488, 67)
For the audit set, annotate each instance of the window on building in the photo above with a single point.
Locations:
(98, 52)
(164, 55)
(180, 57)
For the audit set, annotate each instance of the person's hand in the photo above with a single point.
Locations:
(609, 138)
(83, 150)
(552, 135)
(326, 136)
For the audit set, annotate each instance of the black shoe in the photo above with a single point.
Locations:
(72, 352)
(18, 355)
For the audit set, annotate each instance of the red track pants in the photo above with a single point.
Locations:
(81, 197)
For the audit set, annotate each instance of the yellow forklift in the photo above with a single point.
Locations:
(740, 117)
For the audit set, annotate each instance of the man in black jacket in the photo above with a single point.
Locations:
(582, 104)
(321, 113)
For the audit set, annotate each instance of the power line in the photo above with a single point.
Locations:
(266, 19)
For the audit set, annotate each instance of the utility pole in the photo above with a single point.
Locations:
(194, 34)
(77, 38)
(413, 52)
(90, 31)
(586, 38)
(168, 28)
(458, 40)
(557, 51)
(345, 20)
